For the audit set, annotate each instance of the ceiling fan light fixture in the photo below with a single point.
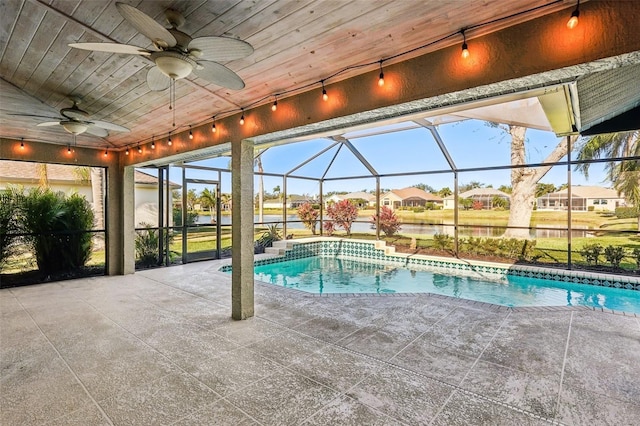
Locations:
(174, 66)
(74, 127)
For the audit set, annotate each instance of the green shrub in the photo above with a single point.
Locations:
(421, 209)
(499, 203)
(147, 245)
(80, 217)
(614, 255)
(509, 248)
(8, 223)
(192, 216)
(635, 254)
(274, 232)
(465, 203)
(591, 253)
(58, 228)
(626, 212)
(470, 245)
(591, 208)
(442, 241)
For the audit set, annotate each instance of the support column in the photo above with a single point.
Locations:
(242, 231)
(120, 217)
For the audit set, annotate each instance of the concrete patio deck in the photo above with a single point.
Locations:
(159, 348)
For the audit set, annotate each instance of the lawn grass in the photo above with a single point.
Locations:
(606, 232)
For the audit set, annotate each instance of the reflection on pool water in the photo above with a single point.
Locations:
(322, 275)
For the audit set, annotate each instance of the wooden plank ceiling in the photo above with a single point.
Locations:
(296, 42)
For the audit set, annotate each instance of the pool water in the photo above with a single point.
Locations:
(331, 275)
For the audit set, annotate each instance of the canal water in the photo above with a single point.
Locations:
(293, 222)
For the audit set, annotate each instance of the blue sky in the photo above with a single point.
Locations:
(471, 143)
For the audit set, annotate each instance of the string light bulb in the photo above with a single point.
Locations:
(126, 151)
(21, 143)
(275, 105)
(242, 117)
(139, 150)
(190, 134)
(381, 78)
(573, 21)
(465, 48)
(325, 97)
(153, 144)
(106, 152)
(213, 125)
(68, 149)
(169, 141)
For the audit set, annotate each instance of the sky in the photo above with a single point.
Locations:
(471, 144)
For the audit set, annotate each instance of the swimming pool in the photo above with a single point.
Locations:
(324, 275)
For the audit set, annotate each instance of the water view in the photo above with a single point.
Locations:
(293, 222)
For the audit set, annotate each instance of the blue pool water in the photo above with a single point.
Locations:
(330, 275)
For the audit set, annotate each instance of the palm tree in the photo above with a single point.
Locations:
(624, 175)
(97, 194)
(258, 164)
(43, 175)
(95, 176)
(192, 199)
(208, 199)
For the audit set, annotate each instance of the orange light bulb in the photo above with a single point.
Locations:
(465, 51)
(573, 21)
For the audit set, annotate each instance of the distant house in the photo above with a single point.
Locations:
(293, 202)
(583, 198)
(68, 179)
(408, 197)
(360, 199)
(485, 195)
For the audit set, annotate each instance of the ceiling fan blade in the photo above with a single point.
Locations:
(126, 49)
(109, 126)
(33, 115)
(146, 25)
(48, 123)
(97, 131)
(220, 48)
(219, 74)
(157, 80)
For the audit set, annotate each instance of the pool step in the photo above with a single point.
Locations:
(280, 247)
(274, 250)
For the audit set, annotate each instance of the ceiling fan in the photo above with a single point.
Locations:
(76, 121)
(177, 54)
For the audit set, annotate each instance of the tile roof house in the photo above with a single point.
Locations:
(408, 197)
(583, 198)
